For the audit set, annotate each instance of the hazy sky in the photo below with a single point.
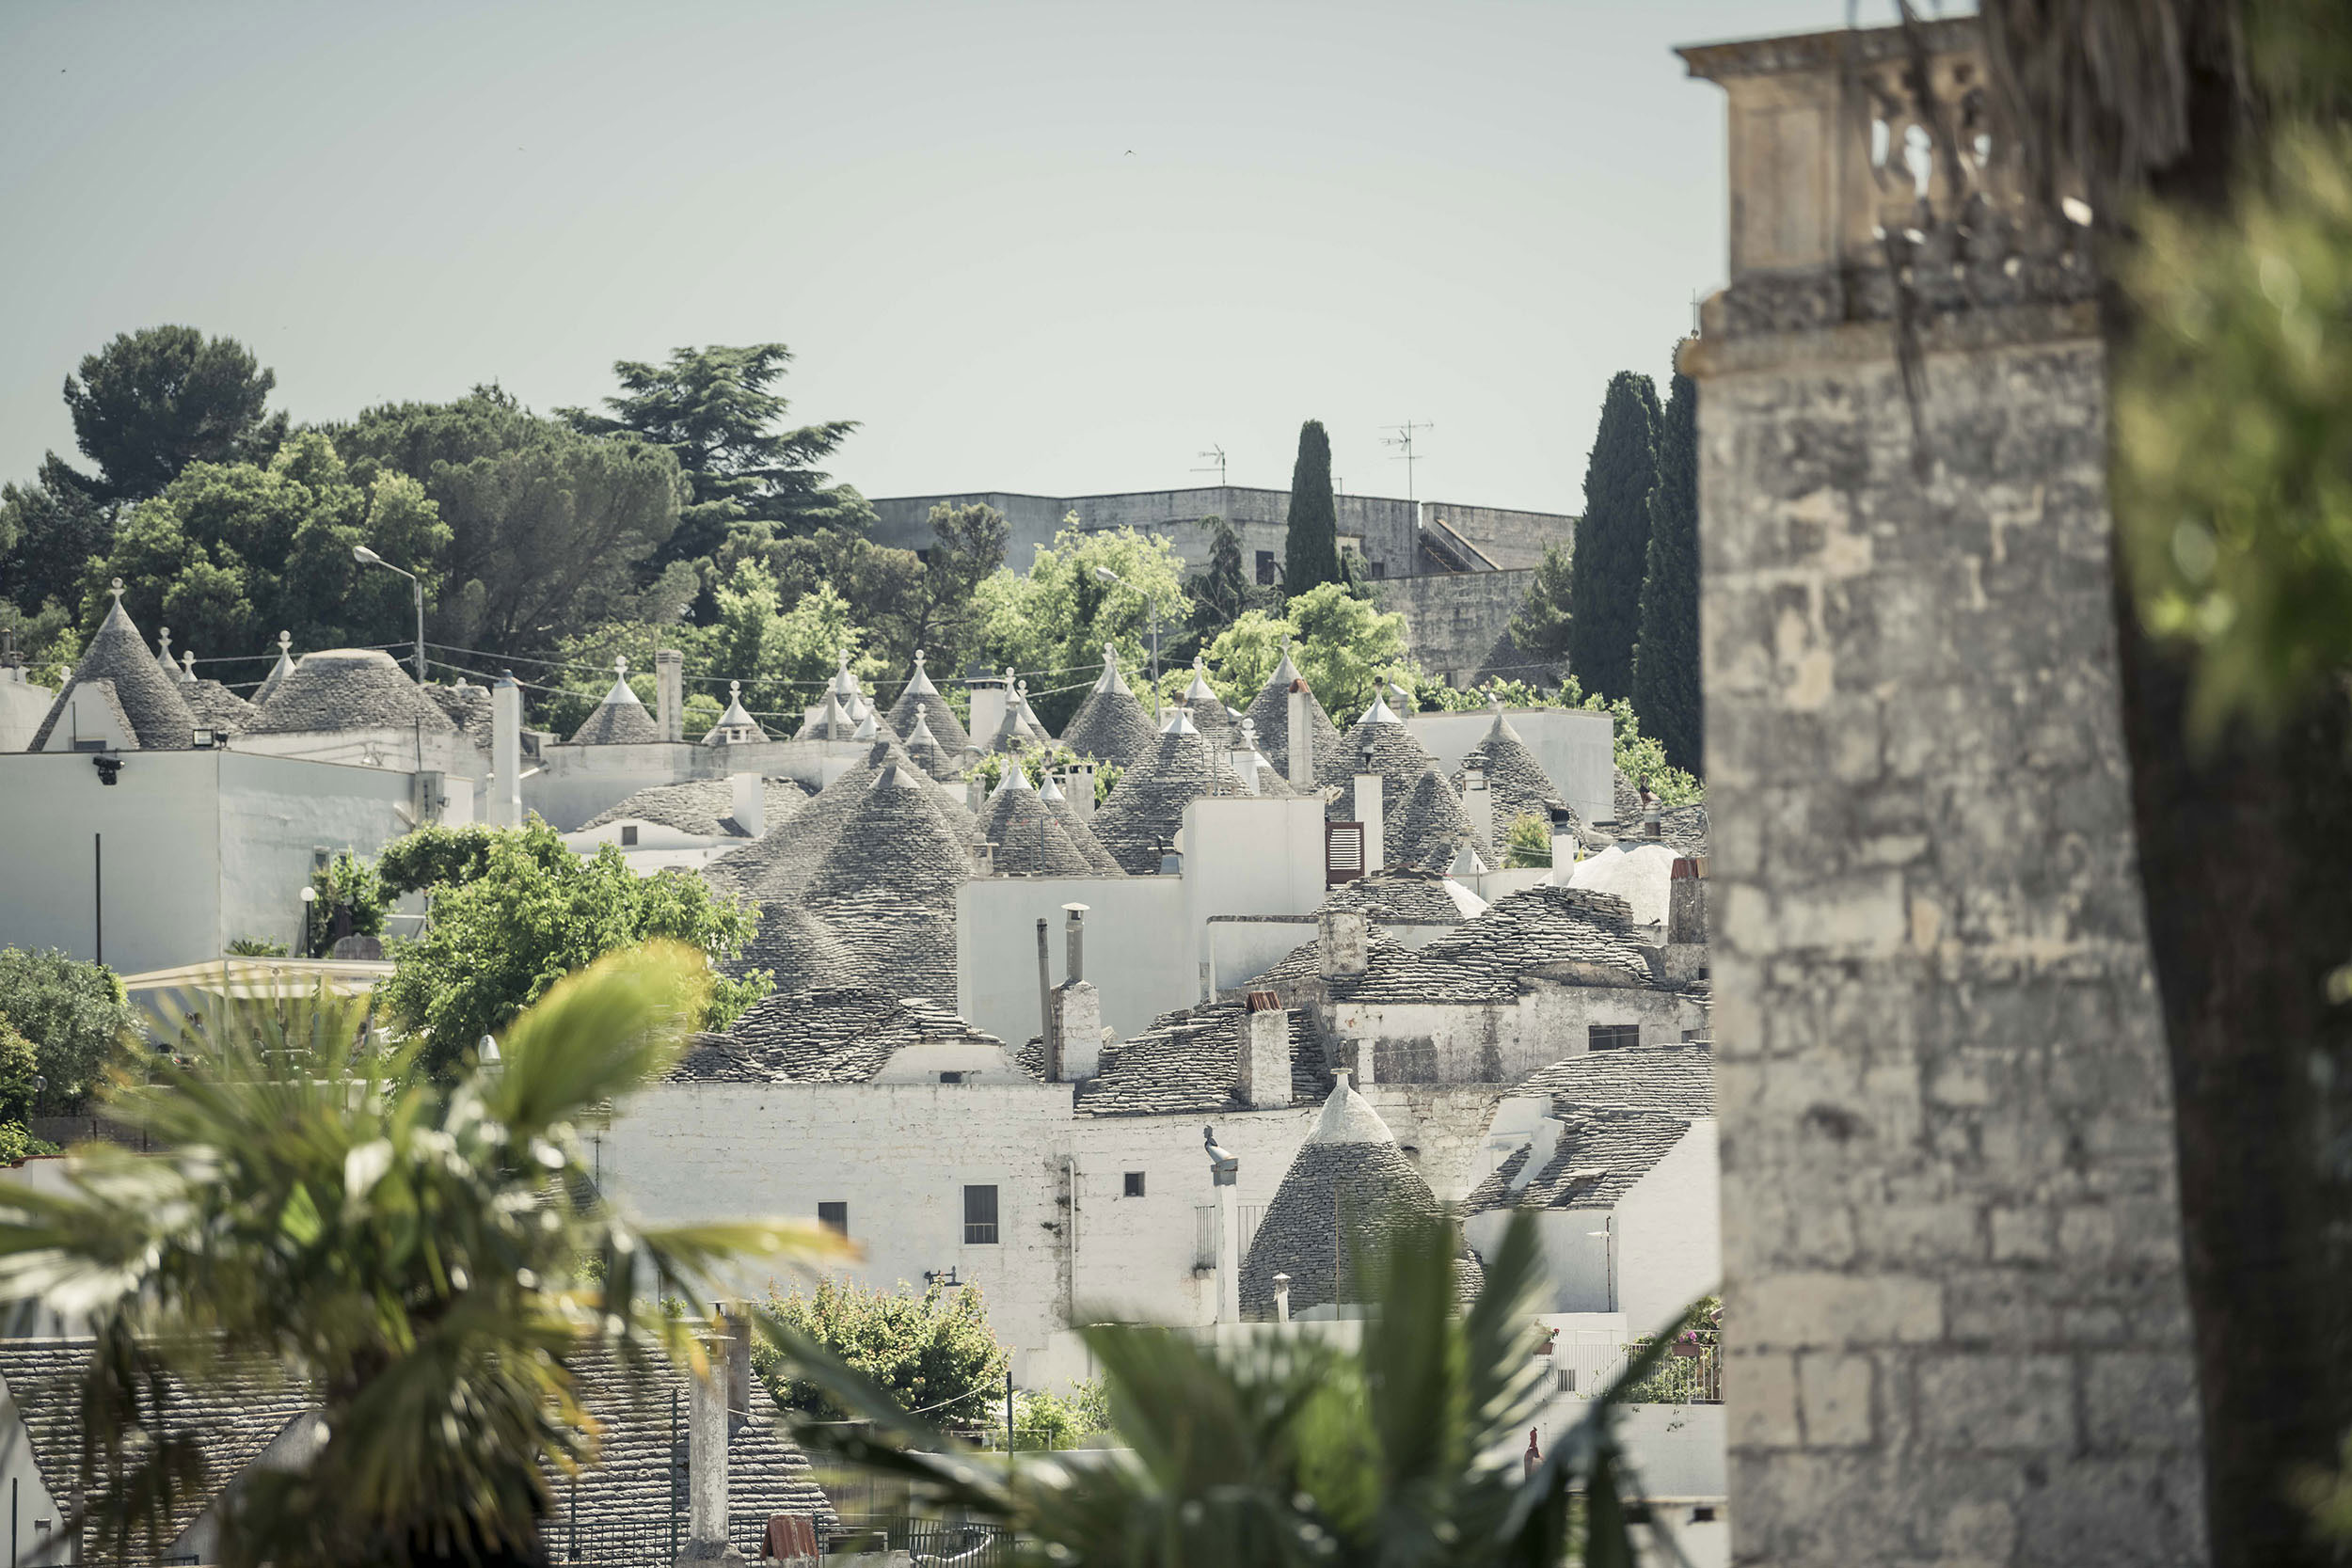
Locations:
(1032, 246)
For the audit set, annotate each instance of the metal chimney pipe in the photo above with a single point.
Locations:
(1073, 939)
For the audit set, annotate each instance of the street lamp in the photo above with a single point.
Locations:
(1153, 602)
(367, 557)
(310, 896)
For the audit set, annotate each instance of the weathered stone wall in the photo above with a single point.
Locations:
(1458, 624)
(1957, 1327)
(1506, 537)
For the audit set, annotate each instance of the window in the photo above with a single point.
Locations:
(1612, 1036)
(628, 833)
(1265, 568)
(1379, 568)
(951, 1077)
(833, 1217)
(980, 1216)
(1135, 1184)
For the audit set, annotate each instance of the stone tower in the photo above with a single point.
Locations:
(1957, 1326)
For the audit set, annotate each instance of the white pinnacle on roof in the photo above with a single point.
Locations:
(921, 685)
(921, 734)
(621, 691)
(843, 681)
(1179, 721)
(1378, 713)
(1286, 671)
(187, 666)
(284, 666)
(865, 730)
(830, 713)
(1349, 1118)
(163, 656)
(1016, 777)
(1050, 791)
(1200, 687)
(734, 716)
(1111, 680)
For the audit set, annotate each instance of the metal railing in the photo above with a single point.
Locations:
(932, 1543)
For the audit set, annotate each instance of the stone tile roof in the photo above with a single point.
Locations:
(1188, 1063)
(151, 704)
(620, 719)
(1684, 828)
(1557, 933)
(230, 1419)
(1517, 780)
(1420, 822)
(1427, 829)
(468, 708)
(1147, 806)
(1109, 724)
(1406, 898)
(887, 887)
(1031, 840)
(277, 672)
(1668, 1080)
(780, 863)
(928, 754)
(1270, 711)
(348, 688)
(631, 1484)
(1601, 1154)
(217, 707)
(840, 1034)
(705, 807)
(920, 696)
(1081, 833)
(799, 950)
(1346, 1192)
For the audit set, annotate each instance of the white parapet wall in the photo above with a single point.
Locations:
(1577, 748)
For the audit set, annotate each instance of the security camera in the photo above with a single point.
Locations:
(109, 768)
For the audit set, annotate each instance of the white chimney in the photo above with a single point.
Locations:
(1265, 1058)
(1564, 855)
(1370, 812)
(751, 803)
(1540, 1148)
(706, 1460)
(1356, 1054)
(1077, 1005)
(506, 754)
(1343, 939)
(1478, 803)
(1282, 1298)
(668, 692)
(1302, 739)
(989, 696)
(1081, 790)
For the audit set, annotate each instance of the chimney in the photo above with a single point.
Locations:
(975, 795)
(1341, 938)
(1369, 811)
(990, 694)
(1540, 1148)
(1265, 1053)
(738, 1326)
(1077, 1042)
(751, 803)
(507, 752)
(1047, 1039)
(668, 692)
(1686, 903)
(1302, 739)
(1358, 1053)
(1478, 803)
(1282, 1298)
(1081, 791)
(1564, 852)
(707, 1458)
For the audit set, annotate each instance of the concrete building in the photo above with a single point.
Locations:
(1956, 1325)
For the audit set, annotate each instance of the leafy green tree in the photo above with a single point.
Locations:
(1612, 537)
(74, 1013)
(20, 1064)
(1051, 620)
(1221, 591)
(1288, 1450)
(1540, 624)
(231, 554)
(905, 599)
(1527, 842)
(933, 1351)
(1344, 647)
(783, 657)
(437, 856)
(51, 532)
(715, 410)
(1666, 657)
(1310, 548)
(153, 401)
(431, 1262)
(351, 902)
(551, 531)
(536, 912)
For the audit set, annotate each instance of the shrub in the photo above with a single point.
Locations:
(74, 1014)
(933, 1353)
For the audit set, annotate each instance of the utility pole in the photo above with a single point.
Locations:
(1403, 440)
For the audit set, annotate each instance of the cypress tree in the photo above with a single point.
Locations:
(1311, 551)
(1612, 537)
(1666, 659)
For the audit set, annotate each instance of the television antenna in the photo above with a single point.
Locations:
(1216, 454)
(1403, 440)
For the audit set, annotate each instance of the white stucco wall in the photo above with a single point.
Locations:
(1135, 955)
(23, 706)
(1502, 1043)
(1670, 1248)
(575, 782)
(275, 812)
(1576, 748)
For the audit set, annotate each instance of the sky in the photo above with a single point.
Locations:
(1064, 248)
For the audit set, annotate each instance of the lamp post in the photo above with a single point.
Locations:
(1151, 604)
(310, 896)
(367, 557)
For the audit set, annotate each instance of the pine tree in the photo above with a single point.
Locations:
(1666, 661)
(1311, 553)
(1612, 537)
(1541, 625)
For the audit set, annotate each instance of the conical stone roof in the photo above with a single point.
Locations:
(921, 697)
(924, 747)
(799, 949)
(887, 888)
(1109, 724)
(1209, 715)
(149, 701)
(830, 722)
(217, 707)
(277, 672)
(781, 862)
(1424, 831)
(468, 708)
(348, 688)
(1515, 780)
(737, 721)
(1346, 1192)
(1081, 835)
(621, 719)
(1147, 807)
(1031, 840)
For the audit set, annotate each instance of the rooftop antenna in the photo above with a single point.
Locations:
(1403, 439)
(1216, 454)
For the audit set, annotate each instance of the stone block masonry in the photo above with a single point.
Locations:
(1457, 626)
(1957, 1326)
